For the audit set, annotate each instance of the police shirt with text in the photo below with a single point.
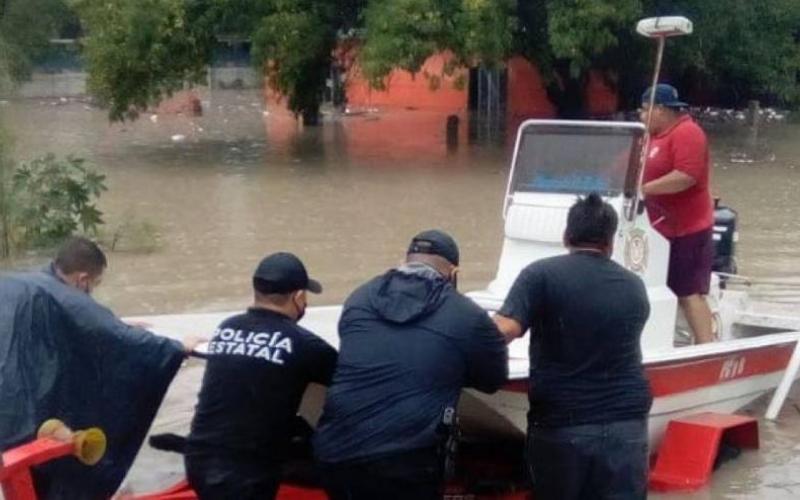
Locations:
(259, 364)
(586, 314)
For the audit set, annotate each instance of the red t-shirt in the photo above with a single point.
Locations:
(682, 147)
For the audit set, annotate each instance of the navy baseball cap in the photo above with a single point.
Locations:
(283, 272)
(435, 242)
(666, 95)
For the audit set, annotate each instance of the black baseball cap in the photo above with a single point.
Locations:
(435, 242)
(283, 272)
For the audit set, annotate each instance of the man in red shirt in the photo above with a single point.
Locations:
(676, 185)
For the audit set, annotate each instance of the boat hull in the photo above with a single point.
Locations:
(724, 376)
(723, 382)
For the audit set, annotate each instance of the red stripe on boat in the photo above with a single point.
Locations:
(680, 376)
(673, 377)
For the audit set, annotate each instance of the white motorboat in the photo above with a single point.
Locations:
(553, 162)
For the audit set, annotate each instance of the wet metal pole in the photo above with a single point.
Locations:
(643, 156)
(786, 383)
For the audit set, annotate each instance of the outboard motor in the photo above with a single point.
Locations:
(725, 237)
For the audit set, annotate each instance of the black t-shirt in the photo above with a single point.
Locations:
(259, 365)
(586, 314)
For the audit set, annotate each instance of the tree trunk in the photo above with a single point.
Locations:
(5, 222)
(567, 94)
(311, 117)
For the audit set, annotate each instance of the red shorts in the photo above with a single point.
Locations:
(690, 260)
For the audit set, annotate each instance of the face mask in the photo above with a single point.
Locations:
(301, 309)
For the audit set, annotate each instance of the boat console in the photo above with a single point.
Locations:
(556, 161)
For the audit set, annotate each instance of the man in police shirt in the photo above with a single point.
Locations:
(259, 365)
(589, 399)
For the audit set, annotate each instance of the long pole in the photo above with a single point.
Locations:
(651, 102)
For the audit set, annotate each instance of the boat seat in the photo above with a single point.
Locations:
(534, 222)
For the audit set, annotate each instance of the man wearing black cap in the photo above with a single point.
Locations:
(259, 364)
(677, 186)
(409, 343)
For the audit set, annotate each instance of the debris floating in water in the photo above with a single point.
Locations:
(178, 138)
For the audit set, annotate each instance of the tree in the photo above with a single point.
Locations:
(739, 50)
(26, 27)
(405, 33)
(5, 195)
(140, 51)
(295, 44)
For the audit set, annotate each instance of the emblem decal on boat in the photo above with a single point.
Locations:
(637, 250)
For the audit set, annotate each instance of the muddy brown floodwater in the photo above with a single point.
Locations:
(216, 193)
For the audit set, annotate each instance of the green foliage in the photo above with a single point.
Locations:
(404, 33)
(485, 29)
(295, 43)
(739, 49)
(142, 50)
(139, 51)
(51, 199)
(26, 26)
(581, 30)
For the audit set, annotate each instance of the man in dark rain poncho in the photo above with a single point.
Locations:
(64, 356)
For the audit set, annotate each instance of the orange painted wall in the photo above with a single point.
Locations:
(526, 95)
(601, 100)
(404, 90)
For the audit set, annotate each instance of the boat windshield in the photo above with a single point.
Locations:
(577, 157)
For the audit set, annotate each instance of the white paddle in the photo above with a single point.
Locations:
(659, 28)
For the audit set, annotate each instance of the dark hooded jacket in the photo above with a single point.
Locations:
(409, 343)
(63, 355)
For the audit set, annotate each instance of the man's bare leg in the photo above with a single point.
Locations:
(698, 314)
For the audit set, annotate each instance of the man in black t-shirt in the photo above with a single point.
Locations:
(259, 364)
(589, 399)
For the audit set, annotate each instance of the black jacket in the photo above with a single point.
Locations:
(409, 343)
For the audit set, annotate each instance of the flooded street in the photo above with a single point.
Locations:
(196, 202)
